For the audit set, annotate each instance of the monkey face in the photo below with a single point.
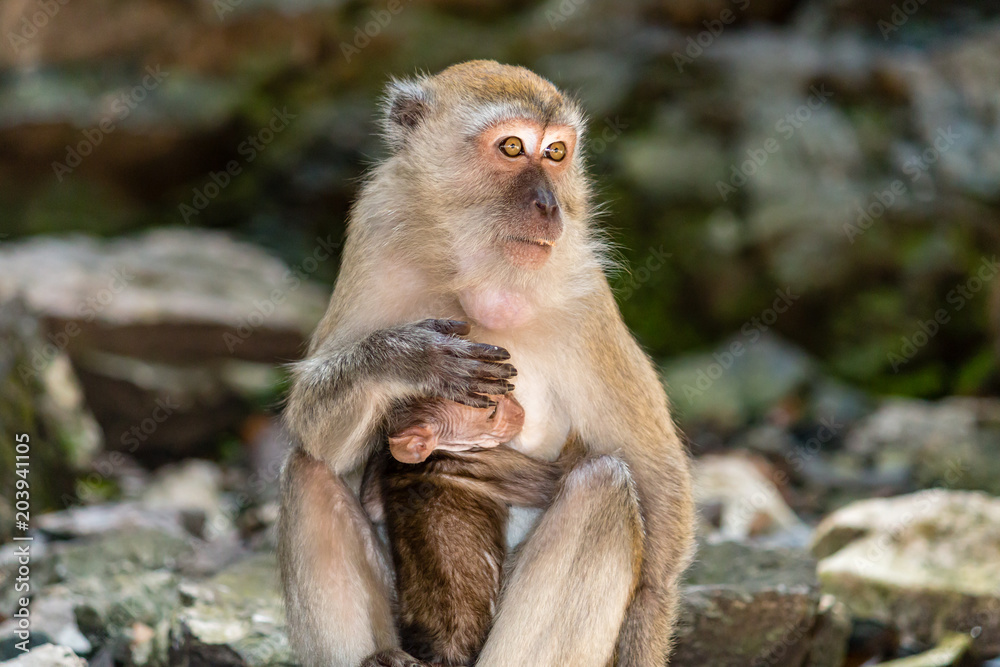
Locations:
(525, 160)
(489, 154)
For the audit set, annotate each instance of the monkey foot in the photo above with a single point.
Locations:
(393, 658)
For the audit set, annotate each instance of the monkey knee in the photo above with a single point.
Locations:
(605, 473)
(603, 486)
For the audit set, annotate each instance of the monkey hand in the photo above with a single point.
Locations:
(459, 369)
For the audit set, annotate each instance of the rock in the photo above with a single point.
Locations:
(54, 617)
(156, 411)
(121, 587)
(747, 502)
(949, 92)
(747, 605)
(40, 396)
(173, 294)
(171, 331)
(924, 562)
(95, 520)
(948, 653)
(831, 633)
(951, 443)
(48, 655)
(194, 488)
(740, 381)
(235, 619)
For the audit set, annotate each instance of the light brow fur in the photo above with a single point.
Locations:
(597, 579)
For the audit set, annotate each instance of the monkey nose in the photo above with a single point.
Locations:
(545, 201)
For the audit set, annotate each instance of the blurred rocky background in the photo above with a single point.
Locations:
(805, 202)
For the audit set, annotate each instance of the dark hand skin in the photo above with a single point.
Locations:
(437, 359)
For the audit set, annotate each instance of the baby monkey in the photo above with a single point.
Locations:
(444, 497)
(442, 424)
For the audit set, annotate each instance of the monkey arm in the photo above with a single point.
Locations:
(342, 393)
(668, 514)
(502, 473)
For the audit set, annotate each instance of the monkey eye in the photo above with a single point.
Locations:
(556, 151)
(512, 147)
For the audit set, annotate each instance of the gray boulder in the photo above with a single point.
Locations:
(925, 562)
(951, 443)
(235, 619)
(747, 605)
(48, 655)
(40, 397)
(171, 331)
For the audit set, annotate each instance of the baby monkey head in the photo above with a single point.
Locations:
(492, 154)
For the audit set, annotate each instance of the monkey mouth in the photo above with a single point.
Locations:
(528, 253)
(542, 243)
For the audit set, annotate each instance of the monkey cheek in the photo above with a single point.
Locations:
(509, 419)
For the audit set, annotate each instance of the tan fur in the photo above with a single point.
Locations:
(332, 566)
(422, 242)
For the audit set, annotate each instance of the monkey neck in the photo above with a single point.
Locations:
(510, 300)
(497, 309)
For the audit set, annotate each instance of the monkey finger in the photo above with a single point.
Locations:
(449, 327)
(474, 400)
(492, 387)
(484, 352)
(495, 370)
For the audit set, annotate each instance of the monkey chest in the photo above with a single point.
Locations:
(546, 421)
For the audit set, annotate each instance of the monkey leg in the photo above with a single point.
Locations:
(338, 584)
(574, 577)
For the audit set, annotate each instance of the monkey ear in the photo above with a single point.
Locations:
(407, 103)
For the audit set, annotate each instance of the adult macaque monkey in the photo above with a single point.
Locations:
(481, 214)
